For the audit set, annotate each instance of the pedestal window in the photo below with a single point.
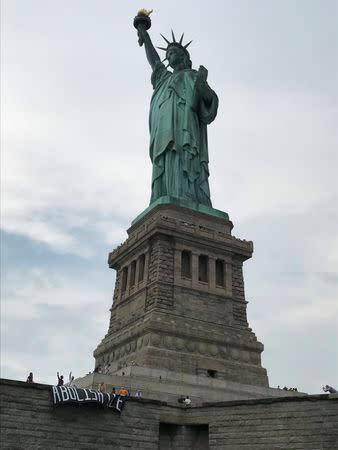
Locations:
(220, 267)
(203, 268)
(186, 264)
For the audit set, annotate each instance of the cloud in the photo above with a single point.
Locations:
(51, 321)
(51, 188)
(318, 311)
(44, 287)
(283, 140)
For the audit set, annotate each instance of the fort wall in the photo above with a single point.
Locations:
(30, 421)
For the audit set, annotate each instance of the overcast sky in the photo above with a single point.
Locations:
(76, 171)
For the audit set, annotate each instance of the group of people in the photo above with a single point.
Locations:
(325, 388)
(288, 389)
(101, 386)
(61, 380)
(123, 391)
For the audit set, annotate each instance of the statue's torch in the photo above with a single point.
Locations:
(142, 20)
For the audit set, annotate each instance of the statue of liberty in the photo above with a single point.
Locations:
(181, 107)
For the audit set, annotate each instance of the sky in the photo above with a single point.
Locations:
(75, 170)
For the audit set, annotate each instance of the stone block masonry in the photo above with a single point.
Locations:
(179, 300)
(30, 422)
(269, 424)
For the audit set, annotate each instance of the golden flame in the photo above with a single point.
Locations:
(144, 12)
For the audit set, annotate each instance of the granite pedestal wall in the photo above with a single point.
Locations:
(179, 302)
(30, 422)
(168, 386)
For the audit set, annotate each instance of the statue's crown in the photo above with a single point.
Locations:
(175, 43)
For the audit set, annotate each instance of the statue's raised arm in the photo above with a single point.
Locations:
(182, 106)
(142, 24)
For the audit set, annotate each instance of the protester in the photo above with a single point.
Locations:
(329, 389)
(123, 391)
(101, 387)
(70, 380)
(30, 378)
(60, 379)
(113, 391)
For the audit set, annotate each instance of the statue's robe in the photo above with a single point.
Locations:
(178, 136)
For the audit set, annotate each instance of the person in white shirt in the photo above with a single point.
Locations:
(70, 380)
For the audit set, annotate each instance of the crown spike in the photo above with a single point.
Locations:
(187, 45)
(172, 33)
(162, 48)
(181, 40)
(168, 42)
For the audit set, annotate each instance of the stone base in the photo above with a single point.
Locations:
(168, 200)
(179, 303)
(168, 386)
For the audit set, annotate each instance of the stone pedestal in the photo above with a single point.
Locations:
(179, 301)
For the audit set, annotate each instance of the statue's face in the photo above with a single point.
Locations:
(175, 56)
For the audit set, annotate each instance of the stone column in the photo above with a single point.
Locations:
(177, 265)
(212, 272)
(228, 279)
(137, 271)
(194, 269)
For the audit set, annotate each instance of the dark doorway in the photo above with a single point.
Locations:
(183, 437)
(212, 373)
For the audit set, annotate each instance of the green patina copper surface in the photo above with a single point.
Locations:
(167, 200)
(182, 106)
(178, 136)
